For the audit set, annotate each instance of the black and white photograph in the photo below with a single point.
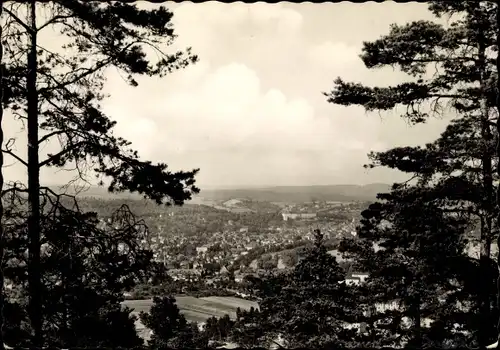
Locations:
(222, 175)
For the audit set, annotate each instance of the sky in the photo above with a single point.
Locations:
(251, 112)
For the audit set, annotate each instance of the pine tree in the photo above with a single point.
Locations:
(1, 185)
(448, 168)
(323, 305)
(59, 94)
(414, 253)
(498, 170)
(250, 330)
(461, 54)
(170, 328)
(218, 329)
(85, 274)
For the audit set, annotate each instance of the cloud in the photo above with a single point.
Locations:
(251, 110)
(334, 53)
(213, 29)
(221, 16)
(225, 115)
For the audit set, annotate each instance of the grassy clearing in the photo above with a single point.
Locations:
(198, 309)
(232, 302)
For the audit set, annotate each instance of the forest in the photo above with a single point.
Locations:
(63, 275)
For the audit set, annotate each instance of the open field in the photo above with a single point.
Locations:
(233, 302)
(199, 309)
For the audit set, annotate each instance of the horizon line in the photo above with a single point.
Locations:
(250, 187)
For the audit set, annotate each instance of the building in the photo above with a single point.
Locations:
(473, 249)
(361, 276)
(201, 250)
(355, 278)
(297, 216)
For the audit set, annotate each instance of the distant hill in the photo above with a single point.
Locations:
(293, 194)
(97, 192)
(296, 194)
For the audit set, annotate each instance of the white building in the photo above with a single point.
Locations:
(294, 216)
(201, 250)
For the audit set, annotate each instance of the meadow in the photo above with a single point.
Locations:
(198, 309)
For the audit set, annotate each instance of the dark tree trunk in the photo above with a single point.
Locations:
(487, 210)
(1, 189)
(486, 238)
(416, 317)
(35, 307)
(498, 166)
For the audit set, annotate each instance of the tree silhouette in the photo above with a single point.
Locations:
(60, 96)
(169, 326)
(218, 329)
(86, 266)
(463, 59)
(414, 253)
(498, 170)
(322, 306)
(1, 185)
